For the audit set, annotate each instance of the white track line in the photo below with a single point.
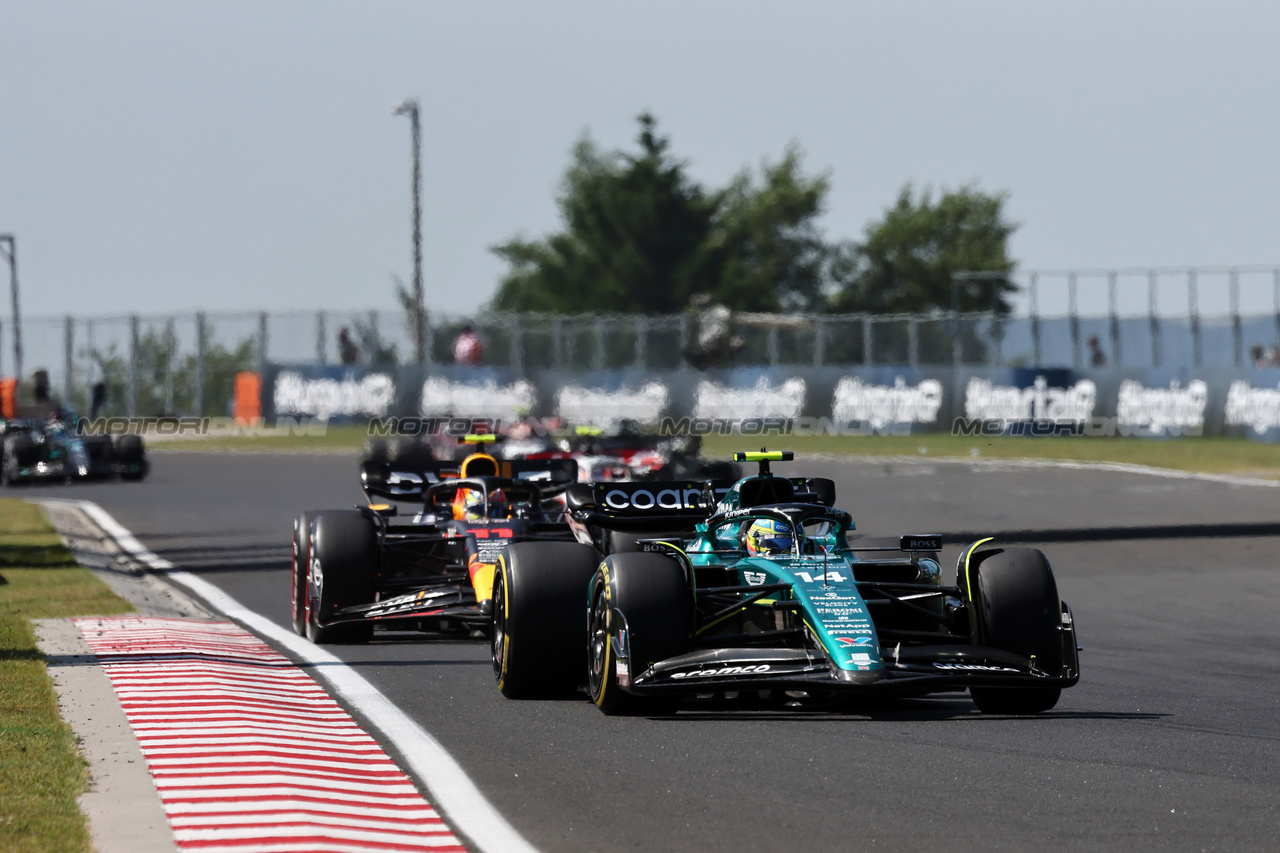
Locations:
(1016, 463)
(451, 789)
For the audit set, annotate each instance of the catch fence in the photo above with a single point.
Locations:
(186, 363)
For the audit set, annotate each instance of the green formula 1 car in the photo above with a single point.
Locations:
(755, 586)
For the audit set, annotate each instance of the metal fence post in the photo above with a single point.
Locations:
(684, 338)
(322, 339)
(170, 344)
(428, 341)
(1074, 320)
(957, 352)
(1152, 280)
(1115, 319)
(819, 342)
(996, 356)
(133, 365)
(375, 339)
(199, 383)
(1035, 321)
(913, 341)
(1193, 309)
(557, 342)
(68, 357)
(642, 340)
(517, 344)
(262, 342)
(1237, 332)
(1275, 299)
(771, 345)
(597, 330)
(868, 340)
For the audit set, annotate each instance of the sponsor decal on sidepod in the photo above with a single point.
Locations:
(724, 670)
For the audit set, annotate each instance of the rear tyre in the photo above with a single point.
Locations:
(298, 567)
(342, 572)
(652, 595)
(101, 454)
(20, 452)
(539, 617)
(1014, 606)
(132, 457)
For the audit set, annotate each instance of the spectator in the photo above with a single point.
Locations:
(1097, 358)
(467, 348)
(348, 352)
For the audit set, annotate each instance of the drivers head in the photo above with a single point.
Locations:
(767, 536)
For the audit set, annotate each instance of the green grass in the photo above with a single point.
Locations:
(1205, 455)
(41, 771)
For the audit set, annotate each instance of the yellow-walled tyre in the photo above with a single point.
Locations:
(1015, 607)
(641, 602)
(539, 618)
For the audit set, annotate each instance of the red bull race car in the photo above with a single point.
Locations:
(357, 569)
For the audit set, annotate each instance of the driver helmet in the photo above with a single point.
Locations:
(767, 536)
(473, 505)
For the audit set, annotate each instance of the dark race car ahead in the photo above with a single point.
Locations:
(365, 567)
(624, 453)
(762, 591)
(41, 450)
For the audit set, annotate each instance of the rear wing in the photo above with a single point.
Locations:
(644, 506)
(399, 482)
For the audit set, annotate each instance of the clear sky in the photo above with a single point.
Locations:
(242, 155)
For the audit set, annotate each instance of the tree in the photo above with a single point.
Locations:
(641, 236)
(634, 226)
(767, 252)
(906, 262)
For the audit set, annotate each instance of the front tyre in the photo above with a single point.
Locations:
(342, 572)
(299, 566)
(641, 603)
(1015, 606)
(539, 602)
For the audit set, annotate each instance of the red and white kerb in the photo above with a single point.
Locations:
(248, 753)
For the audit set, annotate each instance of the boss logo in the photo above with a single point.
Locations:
(921, 543)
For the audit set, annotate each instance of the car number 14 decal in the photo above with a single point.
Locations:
(834, 577)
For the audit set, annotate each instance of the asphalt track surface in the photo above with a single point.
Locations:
(1170, 741)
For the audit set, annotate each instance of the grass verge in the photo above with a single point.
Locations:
(1204, 455)
(41, 771)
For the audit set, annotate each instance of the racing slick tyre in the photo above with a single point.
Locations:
(1015, 606)
(102, 455)
(651, 593)
(539, 611)
(19, 453)
(131, 457)
(342, 572)
(298, 567)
